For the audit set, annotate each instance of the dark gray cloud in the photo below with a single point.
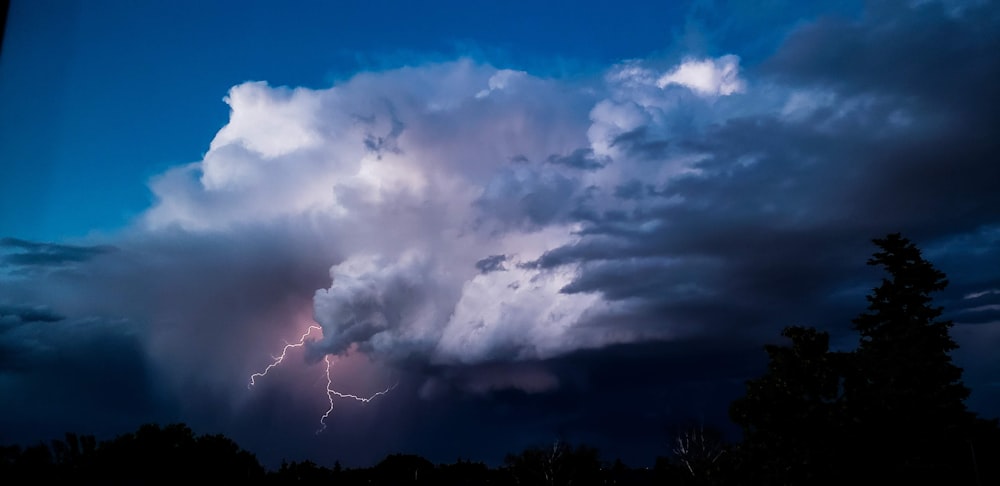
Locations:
(780, 209)
(528, 197)
(492, 263)
(643, 144)
(633, 189)
(26, 313)
(929, 51)
(17, 252)
(166, 328)
(582, 158)
(87, 375)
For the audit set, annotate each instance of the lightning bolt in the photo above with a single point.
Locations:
(330, 391)
(279, 359)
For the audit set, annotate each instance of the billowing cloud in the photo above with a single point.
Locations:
(418, 183)
(710, 77)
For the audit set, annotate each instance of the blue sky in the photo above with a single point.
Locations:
(100, 96)
(516, 213)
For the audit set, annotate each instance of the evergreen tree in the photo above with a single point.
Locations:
(891, 411)
(792, 416)
(904, 393)
(904, 349)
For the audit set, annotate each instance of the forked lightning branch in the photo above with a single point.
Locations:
(330, 391)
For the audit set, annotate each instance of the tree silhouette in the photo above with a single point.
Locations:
(558, 465)
(306, 472)
(904, 348)
(791, 417)
(174, 454)
(892, 410)
(404, 469)
(904, 392)
(702, 456)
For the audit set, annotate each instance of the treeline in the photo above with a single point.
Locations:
(151, 454)
(892, 411)
(173, 453)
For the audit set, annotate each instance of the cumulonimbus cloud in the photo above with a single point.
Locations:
(458, 214)
(419, 174)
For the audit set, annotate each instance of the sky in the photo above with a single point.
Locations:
(522, 221)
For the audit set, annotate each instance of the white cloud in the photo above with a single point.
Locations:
(412, 176)
(438, 305)
(270, 121)
(707, 77)
(611, 119)
(517, 313)
(501, 80)
(981, 293)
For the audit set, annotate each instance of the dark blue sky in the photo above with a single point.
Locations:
(540, 220)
